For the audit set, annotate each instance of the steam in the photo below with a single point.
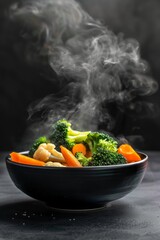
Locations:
(98, 72)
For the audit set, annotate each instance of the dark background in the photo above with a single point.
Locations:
(21, 84)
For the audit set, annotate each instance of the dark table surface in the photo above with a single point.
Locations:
(136, 216)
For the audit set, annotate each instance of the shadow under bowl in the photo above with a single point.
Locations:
(77, 188)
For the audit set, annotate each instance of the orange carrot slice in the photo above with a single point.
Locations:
(129, 153)
(79, 147)
(71, 160)
(20, 158)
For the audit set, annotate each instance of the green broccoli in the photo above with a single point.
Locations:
(36, 144)
(108, 145)
(82, 159)
(103, 140)
(63, 134)
(104, 157)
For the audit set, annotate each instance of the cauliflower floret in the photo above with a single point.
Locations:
(46, 152)
(53, 151)
(41, 154)
(54, 164)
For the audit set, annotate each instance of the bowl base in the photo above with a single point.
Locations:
(77, 208)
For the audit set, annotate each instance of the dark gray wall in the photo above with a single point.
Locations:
(21, 84)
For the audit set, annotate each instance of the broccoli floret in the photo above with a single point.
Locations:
(36, 144)
(103, 140)
(63, 134)
(104, 157)
(108, 145)
(82, 159)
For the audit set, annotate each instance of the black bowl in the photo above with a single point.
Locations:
(77, 188)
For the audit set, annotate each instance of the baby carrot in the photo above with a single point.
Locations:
(71, 160)
(79, 147)
(20, 158)
(129, 153)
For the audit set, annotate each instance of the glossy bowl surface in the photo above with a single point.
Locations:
(77, 188)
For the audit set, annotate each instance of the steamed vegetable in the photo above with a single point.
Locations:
(36, 144)
(129, 153)
(63, 134)
(95, 140)
(79, 148)
(47, 152)
(84, 161)
(20, 158)
(104, 157)
(71, 160)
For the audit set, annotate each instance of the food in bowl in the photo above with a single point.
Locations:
(65, 147)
